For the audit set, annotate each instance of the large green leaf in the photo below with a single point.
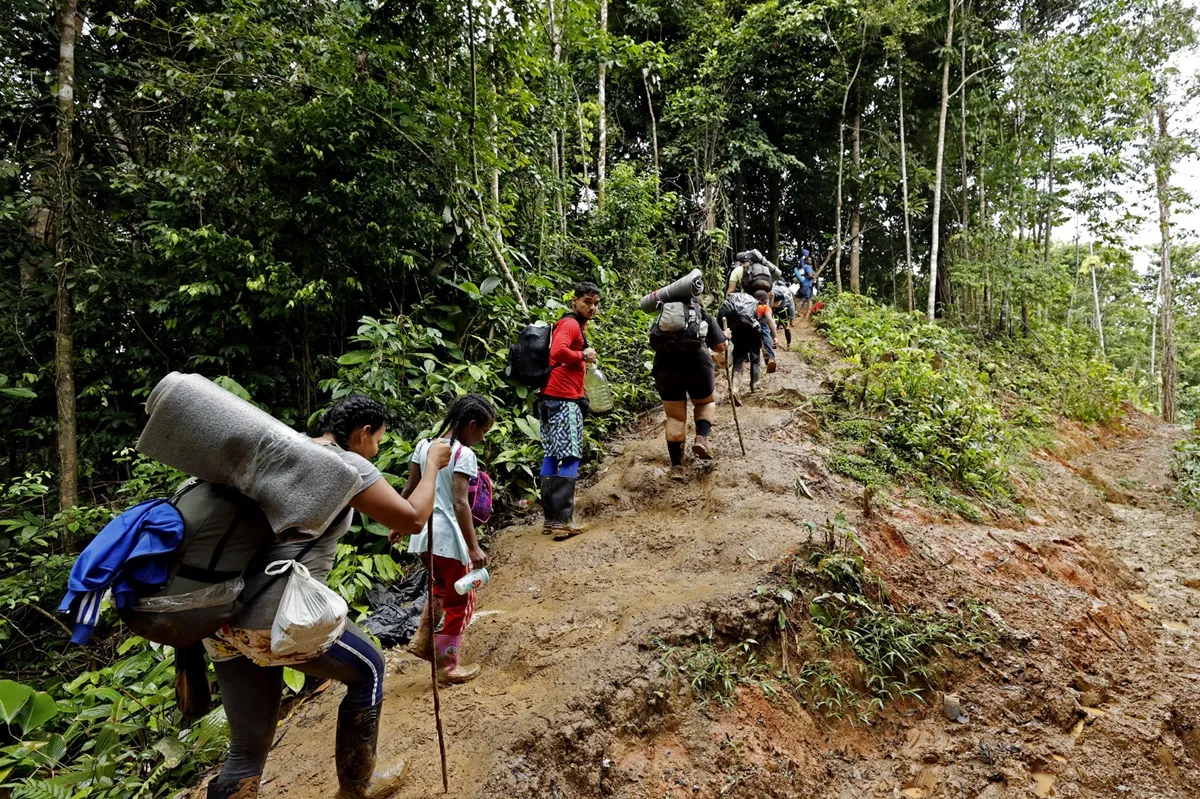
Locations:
(13, 696)
(293, 679)
(37, 711)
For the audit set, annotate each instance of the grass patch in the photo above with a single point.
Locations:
(848, 649)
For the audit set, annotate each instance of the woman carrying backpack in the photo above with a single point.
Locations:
(250, 675)
(683, 369)
(456, 549)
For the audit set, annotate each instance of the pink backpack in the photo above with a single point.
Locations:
(479, 494)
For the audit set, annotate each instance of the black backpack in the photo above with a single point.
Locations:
(680, 327)
(757, 277)
(529, 355)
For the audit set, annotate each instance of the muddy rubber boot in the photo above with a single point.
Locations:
(449, 671)
(549, 511)
(422, 641)
(563, 491)
(245, 789)
(354, 754)
(771, 366)
(700, 448)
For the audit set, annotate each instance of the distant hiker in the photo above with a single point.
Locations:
(686, 339)
(751, 272)
(456, 549)
(783, 308)
(250, 675)
(766, 324)
(805, 276)
(562, 407)
(739, 315)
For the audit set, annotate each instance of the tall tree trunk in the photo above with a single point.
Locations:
(1096, 299)
(1162, 174)
(937, 179)
(962, 99)
(1154, 326)
(837, 253)
(1075, 282)
(474, 91)
(64, 250)
(556, 165)
(1049, 226)
(653, 132)
(856, 202)
(601, 162)
(908, 259)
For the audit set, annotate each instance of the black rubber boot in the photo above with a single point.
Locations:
(549, 510)
(354, 754)
(562, 489)
(246, 789)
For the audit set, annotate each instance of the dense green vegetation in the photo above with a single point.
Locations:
(303, 200)
(1186, 469)
(936, 407)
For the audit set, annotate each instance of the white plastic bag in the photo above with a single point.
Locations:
(310, 616)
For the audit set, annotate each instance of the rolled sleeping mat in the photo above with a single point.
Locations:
(686, 287)
(203, 430)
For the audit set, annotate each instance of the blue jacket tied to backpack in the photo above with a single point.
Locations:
(130, 555)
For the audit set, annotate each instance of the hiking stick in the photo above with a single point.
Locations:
(733, 404)
(437, 700)
(433, 665)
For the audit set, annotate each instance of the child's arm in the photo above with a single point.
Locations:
(462, 511)
(414, 477)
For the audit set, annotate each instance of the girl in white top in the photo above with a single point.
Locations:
(456, 549)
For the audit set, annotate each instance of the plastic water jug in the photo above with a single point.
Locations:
(599, 392)
(472, 580)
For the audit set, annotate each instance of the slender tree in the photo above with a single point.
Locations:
(602, 158)
(937, 179)
(1162, 180)
(64, 252)
(908, 257)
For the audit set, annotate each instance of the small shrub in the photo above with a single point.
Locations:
(1185, 468)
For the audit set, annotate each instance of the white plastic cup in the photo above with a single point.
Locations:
(472, 580)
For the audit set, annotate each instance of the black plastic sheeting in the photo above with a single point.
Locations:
(396, 609)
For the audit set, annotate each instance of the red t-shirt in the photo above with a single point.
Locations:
(566, 360)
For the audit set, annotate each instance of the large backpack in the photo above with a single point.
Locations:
(529, 355)
(756, 277)
(224, 533)
(741, 310)
(680, 327)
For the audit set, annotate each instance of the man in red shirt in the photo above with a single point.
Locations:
(563, 405)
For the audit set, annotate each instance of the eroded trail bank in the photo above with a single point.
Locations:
(1092, 692)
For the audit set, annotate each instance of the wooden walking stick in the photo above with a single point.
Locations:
(733, 399)
(437, 700)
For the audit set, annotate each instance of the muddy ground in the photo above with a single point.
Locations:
(1094, 692)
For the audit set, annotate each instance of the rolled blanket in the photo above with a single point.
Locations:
(201, 429)
(686, 287)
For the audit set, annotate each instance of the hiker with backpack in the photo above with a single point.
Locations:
(739, 316)
(783, 308)
(806, 277)
(686, 339)
(752, 272)
(766, 326)
(250, 674)
(562, 406)
(455, 547)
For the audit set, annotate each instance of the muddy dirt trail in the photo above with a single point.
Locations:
(1093, 693)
